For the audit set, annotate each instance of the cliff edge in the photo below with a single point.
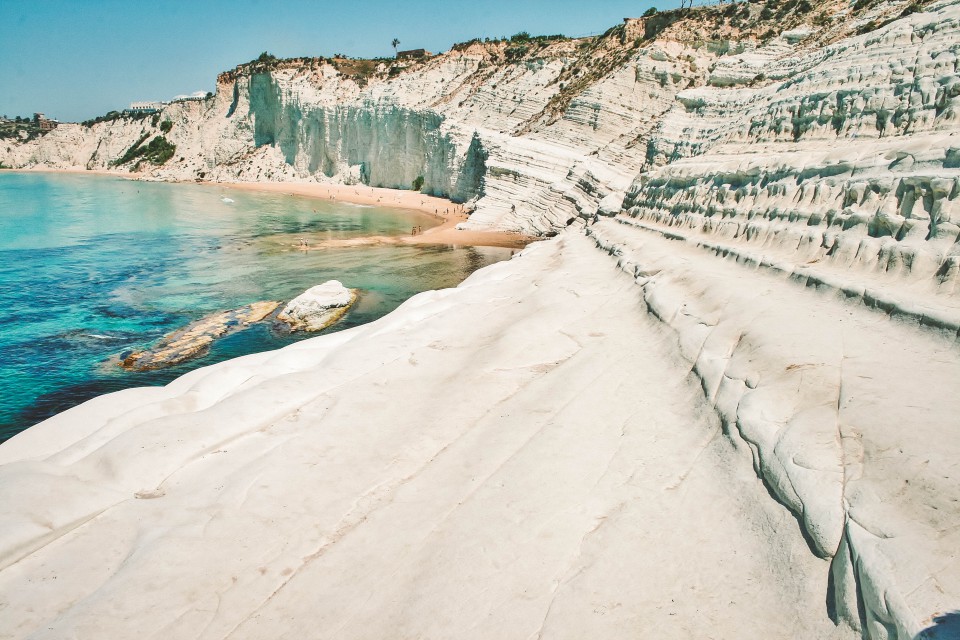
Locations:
(721, 402)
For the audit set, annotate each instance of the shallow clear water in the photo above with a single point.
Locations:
(91, 266)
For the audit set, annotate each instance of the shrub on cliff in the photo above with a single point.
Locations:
(158, 151)
(108, 117)
(514, 54)
(133, 152)
(460, 46)
(165, 126)
(652, 11)
(418, 183)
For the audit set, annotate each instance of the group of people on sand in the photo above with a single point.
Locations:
(416, 231)
(446, 212)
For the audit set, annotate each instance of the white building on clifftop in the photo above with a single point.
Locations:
(146, 107)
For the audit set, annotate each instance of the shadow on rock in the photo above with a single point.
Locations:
(945, 627)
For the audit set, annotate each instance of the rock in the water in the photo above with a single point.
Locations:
(194, 339)
(318, 307)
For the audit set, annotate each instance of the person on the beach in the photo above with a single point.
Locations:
(413, 231)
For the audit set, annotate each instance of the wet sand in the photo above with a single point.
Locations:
(449, 213)
(444, 233)
(126, 175)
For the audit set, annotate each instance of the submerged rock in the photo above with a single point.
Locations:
(194, 339)
(318, 307)
(314, 310)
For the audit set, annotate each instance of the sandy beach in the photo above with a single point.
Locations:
(77, 170)
(448, 212)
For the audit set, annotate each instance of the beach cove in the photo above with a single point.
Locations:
(119, 263)
(450, 214)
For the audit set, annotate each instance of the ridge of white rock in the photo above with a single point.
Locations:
(813, 387)
(752, 366)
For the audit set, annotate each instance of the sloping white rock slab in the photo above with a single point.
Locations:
(524, 456)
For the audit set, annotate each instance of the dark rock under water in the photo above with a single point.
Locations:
(195, 339)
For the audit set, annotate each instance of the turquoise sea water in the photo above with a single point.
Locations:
(91, 266)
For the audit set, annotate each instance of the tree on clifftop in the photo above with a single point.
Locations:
(395, 43)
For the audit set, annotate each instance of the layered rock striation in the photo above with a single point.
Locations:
(750, 361)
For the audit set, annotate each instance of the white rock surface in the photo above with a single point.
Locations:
(839, 410)
(767, 394)
(318, 307)
(524, 455)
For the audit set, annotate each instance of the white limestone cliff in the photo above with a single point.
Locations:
(778, 219)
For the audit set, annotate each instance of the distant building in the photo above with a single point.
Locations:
(146, 107)
(413, 54)
(44, 123)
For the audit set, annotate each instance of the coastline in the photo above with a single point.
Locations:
(75, 170)
(356, 194)
(446, 233)
(726, 410)
(448, 212)
(94, 336)
(406, 479)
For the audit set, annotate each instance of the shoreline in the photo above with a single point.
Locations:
(354, 194)
(446, 233)
(448, 212)
(96, 172)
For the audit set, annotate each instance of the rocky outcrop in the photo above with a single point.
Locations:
(314, 310)
(318, 307)
(195, 339)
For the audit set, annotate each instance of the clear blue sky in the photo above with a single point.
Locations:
(76, 59)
